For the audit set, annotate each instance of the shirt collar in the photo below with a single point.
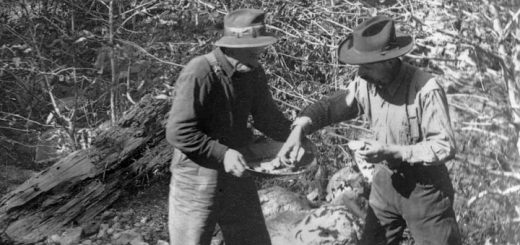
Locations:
(228, 68)
(392, 87)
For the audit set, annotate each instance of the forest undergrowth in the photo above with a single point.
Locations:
(68, 67)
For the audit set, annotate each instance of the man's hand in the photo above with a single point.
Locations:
(234, 163)
(375, 152)
(292, 150)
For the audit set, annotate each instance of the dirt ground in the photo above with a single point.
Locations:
(143, 209)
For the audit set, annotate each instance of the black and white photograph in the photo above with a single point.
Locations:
(260, 122)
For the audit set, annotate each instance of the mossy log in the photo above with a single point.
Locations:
(84, 183)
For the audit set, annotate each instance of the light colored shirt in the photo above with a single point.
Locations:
(411, 111)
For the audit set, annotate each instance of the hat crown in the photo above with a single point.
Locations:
(244, 23)
(374, 40)
(376, 34)
(244, 18)
(245, 28)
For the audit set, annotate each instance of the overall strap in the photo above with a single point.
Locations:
(215, 66)
(224, 80)
(413, 111)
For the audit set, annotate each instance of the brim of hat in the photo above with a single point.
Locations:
(245, 42)
(347, 54)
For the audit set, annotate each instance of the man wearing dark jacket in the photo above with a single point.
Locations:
(215, 95)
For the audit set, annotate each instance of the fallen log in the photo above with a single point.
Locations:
(86, 182)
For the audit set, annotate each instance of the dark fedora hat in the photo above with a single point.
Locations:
(245, 28)
(373, 40)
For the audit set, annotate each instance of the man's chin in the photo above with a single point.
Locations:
(253, 64)
(245, 67)
(371, 81)
(376, 83)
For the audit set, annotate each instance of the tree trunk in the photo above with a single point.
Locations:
(86, 182)
(514, 92)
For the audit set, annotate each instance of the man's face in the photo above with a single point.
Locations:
(246, 56)
(378, 73)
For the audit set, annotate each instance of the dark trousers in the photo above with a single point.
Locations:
(420, 198)
(202, 197)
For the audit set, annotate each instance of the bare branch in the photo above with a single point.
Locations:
(502, 137)
(25, 118)
(135, 45)
(513, 175)
(338, 24)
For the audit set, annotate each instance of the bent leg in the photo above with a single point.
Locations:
(431, 219)
(373, 232)
(393, 224)
(384, 204)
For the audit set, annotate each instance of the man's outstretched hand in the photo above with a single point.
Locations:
(292, 150)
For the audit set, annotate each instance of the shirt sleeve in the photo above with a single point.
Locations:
(183, 129)
(438, 145)
(341, 106)
(267, 116)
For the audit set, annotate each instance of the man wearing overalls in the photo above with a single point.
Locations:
(408, 113)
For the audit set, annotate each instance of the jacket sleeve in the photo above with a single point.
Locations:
(341, 106)
(183, 129)
(267, 116)
(438, 144)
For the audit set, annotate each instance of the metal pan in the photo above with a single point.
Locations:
(262, 153)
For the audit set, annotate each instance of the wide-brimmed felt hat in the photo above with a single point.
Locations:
(245, 28)
(374, 40)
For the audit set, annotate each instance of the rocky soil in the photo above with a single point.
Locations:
(140, 217)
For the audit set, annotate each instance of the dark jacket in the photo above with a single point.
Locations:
(210, 115)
